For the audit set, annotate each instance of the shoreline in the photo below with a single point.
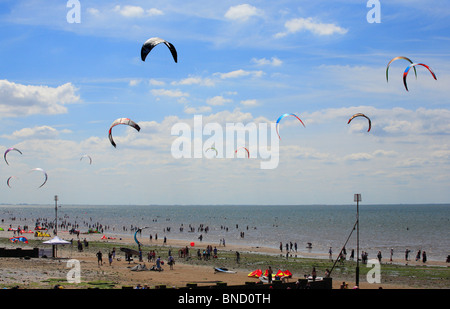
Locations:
(113, 237)
(43, 273)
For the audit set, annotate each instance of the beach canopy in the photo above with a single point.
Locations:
(56, 241)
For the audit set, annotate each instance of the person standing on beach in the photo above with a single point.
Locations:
(330, 252)
(314, 274)
(406, 254)
(158, 263)
(392, 253)
(269, 274)
(171, 261)
(99, 258)
(424, 256)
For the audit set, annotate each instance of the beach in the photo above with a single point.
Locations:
(46, 273)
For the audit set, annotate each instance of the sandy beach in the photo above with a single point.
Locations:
(48, 272)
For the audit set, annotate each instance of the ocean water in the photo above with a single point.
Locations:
(382, 227)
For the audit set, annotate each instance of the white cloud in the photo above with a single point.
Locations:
(169, 93)
(40, 132)
(361, 156)
(195, 81)
(274, 61)
(239, 73)
(93, 11)
(131, 11)
(242, 12)
(250, 102)
(134, 82)
(154, 12)
(24, 100)
(197, 110)
(154, 82)
(218, 100)
(309, 24)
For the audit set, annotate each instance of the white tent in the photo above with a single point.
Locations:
(56, 241)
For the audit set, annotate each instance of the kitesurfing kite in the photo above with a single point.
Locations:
(135, 236)
(361, 115)
(248, 152)
(125, 121)
(8, 150)
(284, 115)
(396, 58)
(212, 148)
(17, 239)
(9, 179)
(45, 175)
(152, 42)
(405, 74)
(86, 156)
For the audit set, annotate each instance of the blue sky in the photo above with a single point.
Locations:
(63, 84)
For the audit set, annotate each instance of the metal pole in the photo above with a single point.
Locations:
(56, 225)
(357, 199)
(56, 215)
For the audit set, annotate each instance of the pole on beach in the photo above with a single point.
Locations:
(357, 199)
(56, 215)
(56, 224)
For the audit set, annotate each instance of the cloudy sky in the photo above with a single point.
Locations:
(67, 74)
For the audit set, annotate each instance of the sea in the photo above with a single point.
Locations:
(399, 227)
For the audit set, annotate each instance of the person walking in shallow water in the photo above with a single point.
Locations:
(418, 255)
(407, 251)
(424, 256)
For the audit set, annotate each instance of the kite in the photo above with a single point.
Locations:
(152, 42)
(248, 152)
(8, 150)
(284, 115)
(86, 156)
(125, 121)
(212, 148)
(405, 74)
(45, 175)
(8, 180)
(139, 230)
(17, 239)
(361, 115)
(396, 58)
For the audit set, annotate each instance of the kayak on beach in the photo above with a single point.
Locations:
(223, 270)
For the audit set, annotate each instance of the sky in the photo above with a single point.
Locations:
(68, 69)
